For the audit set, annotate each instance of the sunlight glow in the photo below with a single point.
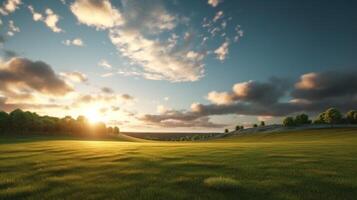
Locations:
(93, 116)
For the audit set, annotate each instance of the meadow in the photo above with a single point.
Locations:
(310, 164)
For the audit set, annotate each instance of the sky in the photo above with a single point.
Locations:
(175, 65)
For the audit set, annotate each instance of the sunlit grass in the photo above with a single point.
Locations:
(302, 165)
(221, 183)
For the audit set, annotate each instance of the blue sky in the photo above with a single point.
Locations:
(158, 64)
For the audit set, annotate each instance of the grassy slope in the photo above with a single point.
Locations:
(319, 164)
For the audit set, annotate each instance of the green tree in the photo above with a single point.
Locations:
(352, 117)
(4, 121)
(302, 119)
(226, 130)
(255, 125)
(116, 130)
(262, 123)
(332, 116)
(237, 128)
(288, 122)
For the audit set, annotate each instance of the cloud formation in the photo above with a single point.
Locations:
(49, 18)
(99, 14)
(222, 51)
(105, 64)
(9, 6)
(214, 3)
(12, 28)
(75, 76)
(75, 42)
(330, 84)
(313, 93)
(21, 78)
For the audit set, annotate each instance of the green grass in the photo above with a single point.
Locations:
(318, 164)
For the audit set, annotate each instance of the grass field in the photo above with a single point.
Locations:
(316, 164)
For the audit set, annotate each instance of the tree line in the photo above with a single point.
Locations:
(25, 122)
(330, 116)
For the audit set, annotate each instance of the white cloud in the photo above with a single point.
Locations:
(12, 28)
(75, 76)
(75, 42)
(136, 34)
(162, 109)
(100, 14)
(221, 98)
(9, 6)
(218, 16)
(222, 51)
(166, 98)
(214, 3)
(49, 18)
(157, 60)
(105, 64)
(239, 33)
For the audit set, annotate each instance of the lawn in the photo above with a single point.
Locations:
(316, 164)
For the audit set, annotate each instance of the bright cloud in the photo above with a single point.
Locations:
(9, 6)
(214, 3)
(75, 42)
(105, 64)
(222, 51)
(49, 18)
(12, 28)
(100, 14)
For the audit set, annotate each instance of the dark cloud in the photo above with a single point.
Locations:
(127, 97)
(260, 92)
(8, 107)
(21, 74)
(107, 90)
(331, 84)
(314, 93)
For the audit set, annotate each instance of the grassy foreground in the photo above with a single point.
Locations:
(317, 164)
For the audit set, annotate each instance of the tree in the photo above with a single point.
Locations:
(262, 123)
(302, 119)
(288, 122)
(238, 128)
(226, 130)
(241, 127)
(116, 130)
(352, 117)
(332, 116)
(4, 121)
(320, 119)
(255, 125)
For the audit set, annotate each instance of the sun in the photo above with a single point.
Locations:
(93, 116)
